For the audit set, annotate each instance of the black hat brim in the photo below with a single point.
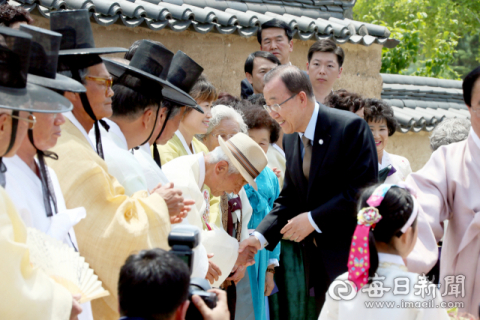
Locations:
(60, 82)
(33, 98)
(85, 51)
(169, 91)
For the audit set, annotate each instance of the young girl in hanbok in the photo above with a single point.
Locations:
(378, 282)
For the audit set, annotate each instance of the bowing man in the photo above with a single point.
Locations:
(32, 185)
(27, 292)
(330, 156)
(116, 224)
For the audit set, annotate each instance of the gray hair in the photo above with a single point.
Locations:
(294, 79)
(218, 155)
(221, 112)
(449, 131)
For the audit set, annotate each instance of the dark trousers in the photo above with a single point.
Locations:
(231, 297)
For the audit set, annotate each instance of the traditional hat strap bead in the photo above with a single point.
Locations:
(251, 170)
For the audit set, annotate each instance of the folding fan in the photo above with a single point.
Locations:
(64, 265)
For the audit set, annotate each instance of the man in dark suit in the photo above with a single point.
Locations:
(330, 156)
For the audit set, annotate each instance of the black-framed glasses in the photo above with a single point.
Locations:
(31, 120)
(277, 106)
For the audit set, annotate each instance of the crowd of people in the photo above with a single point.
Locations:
(289, 184)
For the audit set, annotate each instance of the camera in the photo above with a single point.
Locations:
(183, 239)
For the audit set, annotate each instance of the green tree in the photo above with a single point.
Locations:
(429, 31)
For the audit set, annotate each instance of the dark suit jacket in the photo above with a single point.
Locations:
(345, 163)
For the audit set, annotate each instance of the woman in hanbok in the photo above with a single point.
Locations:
(381, 120)
(260, 126)
(386, 233)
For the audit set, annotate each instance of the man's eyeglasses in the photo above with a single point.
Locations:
(276, 107)
(107, 82)
(31, 120)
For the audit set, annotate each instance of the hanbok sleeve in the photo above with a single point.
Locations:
(430, 184)
(27, 292)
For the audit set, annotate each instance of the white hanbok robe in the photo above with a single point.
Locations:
(25, 189)
(122, 164)
(188, 175)
(401, 164)
(448, 188)
(152, 172)
(391, 267)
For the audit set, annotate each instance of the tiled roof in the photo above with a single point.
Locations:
(420, 103)
(310, 19)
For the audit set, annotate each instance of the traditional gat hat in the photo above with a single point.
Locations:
(152, 61)
(15, 92)
(44, 61)
(246, 155)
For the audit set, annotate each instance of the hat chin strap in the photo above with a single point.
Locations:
(3, 168)
(154, 125)
(88, 109)
(156, 154)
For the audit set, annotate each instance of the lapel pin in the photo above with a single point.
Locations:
(320, 141)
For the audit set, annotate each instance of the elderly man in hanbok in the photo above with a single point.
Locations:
(226, 169)
(27, 292)
(116, 224)
(139, 88)
(448, 188)
(32, 185)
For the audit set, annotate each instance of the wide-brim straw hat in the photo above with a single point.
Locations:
(246, 155)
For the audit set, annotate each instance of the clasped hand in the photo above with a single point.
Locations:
(297, 228)
(178, 207)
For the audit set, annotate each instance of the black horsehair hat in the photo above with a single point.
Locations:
(15, 92)
(151, 62)
(77, 48)
(44, 61)
(183, 73)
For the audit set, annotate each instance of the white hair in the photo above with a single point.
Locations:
(218, 155)
(221, 112)
(449, 131)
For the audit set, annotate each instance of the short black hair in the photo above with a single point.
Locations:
(468, 84)
(10, 14)
(294, 79)
(259, 54)
(256, 117)
(377, 110)
(345, 100)
(327, 45)
(275, 23)
(152, 284)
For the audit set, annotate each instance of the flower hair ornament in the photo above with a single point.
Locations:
(358, 259)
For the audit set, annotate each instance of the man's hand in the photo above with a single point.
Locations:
(297, 228)
(220, 312)
(238, 274)
(246, 253)
(76, 308)
(277, 172)
(178, 207)
(213, 270)
(269, 284)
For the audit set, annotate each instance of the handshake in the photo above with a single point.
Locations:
(246, 257)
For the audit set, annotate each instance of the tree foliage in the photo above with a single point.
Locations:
(429, 31)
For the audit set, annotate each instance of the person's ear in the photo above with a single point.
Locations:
(340, 73)
(291, 46)
(5, 131)
(147, 117)
(181, 311)
(303, 98)
(221, 167)
(249, 77)
(72, 96)
(308, 65)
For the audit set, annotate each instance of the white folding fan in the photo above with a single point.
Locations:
(63, 264)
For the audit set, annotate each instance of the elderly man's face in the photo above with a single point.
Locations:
(226, 129)
(475, 107)
(225, 182)
(99, 92)
(289, 115)
(47, 130)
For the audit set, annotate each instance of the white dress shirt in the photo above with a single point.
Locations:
(475, 137)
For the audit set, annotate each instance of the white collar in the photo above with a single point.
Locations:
(201, 164)
(145, 147)
(77, 124)
(475, 137)
(184, 143)
(310, 131)
(392, 258)
(386, 161)
(277, 147)
(115, 129)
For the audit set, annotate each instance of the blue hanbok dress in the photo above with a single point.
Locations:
(261, 202)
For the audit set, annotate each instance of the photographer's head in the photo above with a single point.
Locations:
(153, 285)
